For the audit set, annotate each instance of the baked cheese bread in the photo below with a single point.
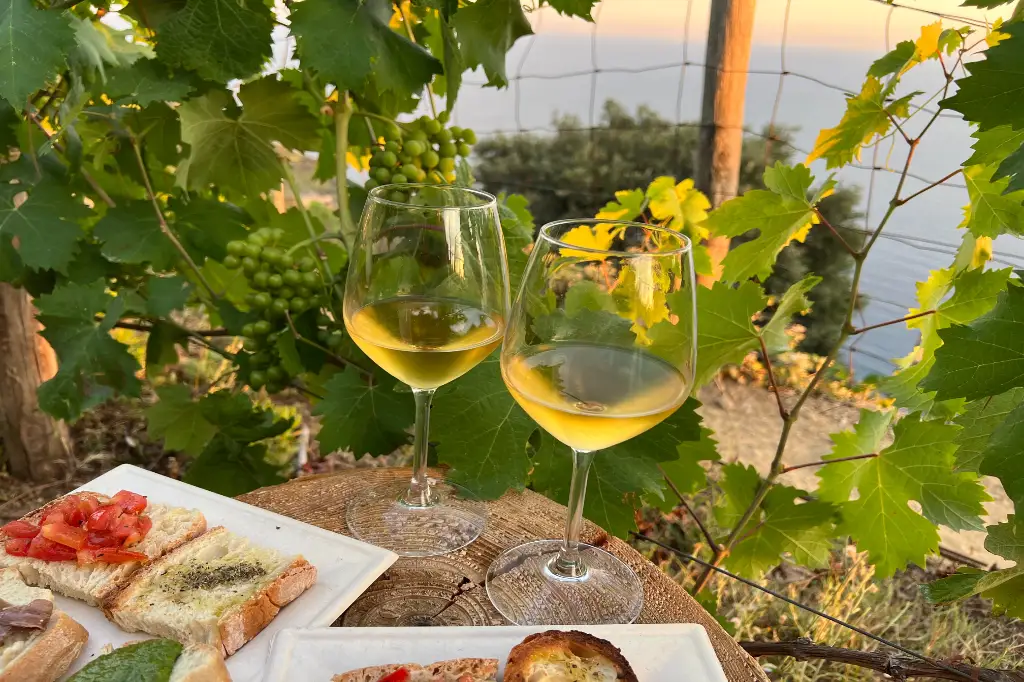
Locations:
(30, 655)
(219, 589)
(94, 583)
(455, 670)
(567, 656)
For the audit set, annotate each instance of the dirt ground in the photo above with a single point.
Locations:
(745, 419)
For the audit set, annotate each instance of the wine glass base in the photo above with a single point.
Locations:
(381, 517)
(522, 587)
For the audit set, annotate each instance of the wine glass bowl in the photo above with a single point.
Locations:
(600, 348)
(426, 298)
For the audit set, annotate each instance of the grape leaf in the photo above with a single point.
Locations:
(620, 475)
(218, 39)
(147, 81)
(1002, 459)
(491, 457)
(597, 326)
(348, 40)
(894, 61)
(45, 224)
(442, 43)
(88, 356)
(994, 145)
(867, 115)
(804, 531)
(725, 333)
(1012, 167)
(131, 233)
(985, 358)
(685, 471)
(237, 152)
(629, 205)
(992, 210)
(573, 8)
(919, 465)
(1007, 539)
(236, 417)
(487, 29)
(976, 292)
(979, 421)
(179, 421)
(983, 97)
(363, 418)
(165, 294)
(792, 303)
(781, 214)
(866, 438)
(910, 53)
(33, 46)
(988, 4)
(229, 467)
(517, 229)
(205, 226)
(1003, 587)
(684, 207)
(739, 484)
(162, 347)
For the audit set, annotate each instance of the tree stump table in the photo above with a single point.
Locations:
(452, 586)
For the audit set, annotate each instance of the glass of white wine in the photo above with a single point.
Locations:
(600, 347)
(426, 299)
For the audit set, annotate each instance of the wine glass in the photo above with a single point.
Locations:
(600, 347)
(426, 299)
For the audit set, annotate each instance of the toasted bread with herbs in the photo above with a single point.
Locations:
(219, 589)
(567, 656)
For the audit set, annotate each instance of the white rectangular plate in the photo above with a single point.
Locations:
(679, 651)
(345, 567)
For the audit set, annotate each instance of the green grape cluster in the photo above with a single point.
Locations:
(283, 286)
(424, 151)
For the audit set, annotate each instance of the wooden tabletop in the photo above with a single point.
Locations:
(452, 586)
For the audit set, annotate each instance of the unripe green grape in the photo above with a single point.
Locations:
(261, 328)
(279, 306)
(447, 150)
(261, 300)
(286, 292)
(421, 175)
(430, 158)
(446, 165)
(286, 262)
(257, 238)
(322, 320)
(420, 136)
(253, 344)
(292, 278)
(275, 281)
(231, 262)
(404, 158)
(249, 266)
(370, 184)
(252, 251)
(449, 177)
(389, 159)
(423, 121)
(335, 340)
(456, 132)
(443, 135)
(310, 279)
(392, 132)
(275, 386)
(377, 160)
(408, 170)
(260, 280)
(443, 116)
(271, 255)
(276, 373)
(307, 264)
(398, 178)
(276, 234)
(393, 147)
(435, 177)
(261, 359)
(398, 196)
(257, 378)
(468, 136)
(298, 304)
(414, 147)
(464, 150)
(248, 330)
(236, 248)
(382, 175)
(304, 292)
(322, 335)
(432, 127)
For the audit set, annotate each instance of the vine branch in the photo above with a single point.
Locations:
(135, 326)
(164, 227)
(845, 244)
(318, 253)
(938, 182)
(342, 116)
(100, 192)
(689, 510)
(861, 330)
(771, 379)
(823, 462)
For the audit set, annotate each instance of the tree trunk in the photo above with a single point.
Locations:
(721, 126)
(35, 446)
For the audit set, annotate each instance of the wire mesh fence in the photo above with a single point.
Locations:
(559, 69)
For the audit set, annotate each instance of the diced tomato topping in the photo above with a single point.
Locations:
(99, 539)
(47, 550)
(54, 516)
(129, 501)
(136, 536)
(125, 525)
(88, 503)
(400, 675)
(21, 529)
(108, 556)
(72, 513)
(62, 533)
(17, 546)
(103, 518)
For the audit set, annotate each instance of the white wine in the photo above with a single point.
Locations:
(592, 397)
(425, 342)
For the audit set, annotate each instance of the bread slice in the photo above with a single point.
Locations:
(219, 589)
(94, 583)
(455, 670)
(567, 656)
(200, 663)
(37, 655)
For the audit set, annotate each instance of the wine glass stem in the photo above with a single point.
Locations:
(568, 563)
(419, 493)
